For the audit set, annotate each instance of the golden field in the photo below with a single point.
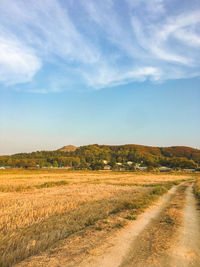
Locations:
(19, 180)
(39, 208)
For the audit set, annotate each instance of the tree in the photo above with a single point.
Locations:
(97, 165)
(55, 163)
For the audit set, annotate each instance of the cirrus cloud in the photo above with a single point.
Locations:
(94, 44)
(18, 64)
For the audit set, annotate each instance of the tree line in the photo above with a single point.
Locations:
(95, 157)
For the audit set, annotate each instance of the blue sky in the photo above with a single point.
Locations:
(107, 72)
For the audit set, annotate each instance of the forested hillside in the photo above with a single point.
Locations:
(96, 156)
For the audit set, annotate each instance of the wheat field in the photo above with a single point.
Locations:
(40, 208)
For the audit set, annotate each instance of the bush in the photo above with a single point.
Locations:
(159, 190)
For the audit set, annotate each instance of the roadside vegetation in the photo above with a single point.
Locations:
(197, 188)
(52, 209)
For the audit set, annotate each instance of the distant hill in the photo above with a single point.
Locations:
(93, 156)
(173, 151)
(68, 148)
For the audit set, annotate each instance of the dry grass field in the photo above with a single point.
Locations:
(20, 180)
(197, 188)
(40, 208)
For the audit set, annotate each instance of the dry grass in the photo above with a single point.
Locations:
(197, 188)
(51, 205)
(22, 209)
(20, 180)
(31, 222)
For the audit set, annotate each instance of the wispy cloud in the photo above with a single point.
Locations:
(59, 45)
(152, 8)
(105, 76)
(18, 63)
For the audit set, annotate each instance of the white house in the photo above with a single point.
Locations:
(164, 169)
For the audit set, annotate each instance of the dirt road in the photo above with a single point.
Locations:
(167, 234)
(186, 250)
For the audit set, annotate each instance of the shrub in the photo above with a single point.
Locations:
(159, 190)
(197, 188)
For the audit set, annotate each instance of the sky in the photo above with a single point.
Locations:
(107, 72)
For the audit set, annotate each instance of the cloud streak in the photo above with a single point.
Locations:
(53, 45)
(17, 62)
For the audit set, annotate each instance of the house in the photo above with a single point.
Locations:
(164, 169)
(119, 163)
(107, 168)
(5, 167)
(105, 161)
(129, 163)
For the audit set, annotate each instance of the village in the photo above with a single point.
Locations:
(119, 166)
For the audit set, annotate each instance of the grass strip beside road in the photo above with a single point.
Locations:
(197, 188)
